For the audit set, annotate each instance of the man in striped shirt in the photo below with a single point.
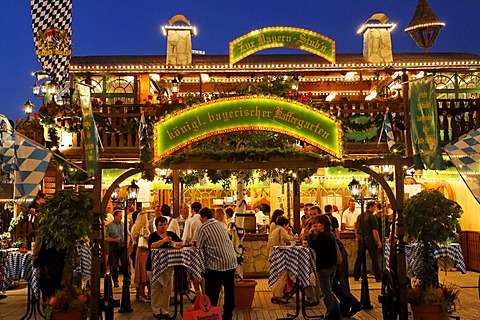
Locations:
(220, 261)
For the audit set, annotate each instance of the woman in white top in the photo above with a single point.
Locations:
(140, 230)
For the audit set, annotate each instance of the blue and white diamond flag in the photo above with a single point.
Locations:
(52, 33)
(31, 163)
(6, 150)
(387, 126)
(464, 153)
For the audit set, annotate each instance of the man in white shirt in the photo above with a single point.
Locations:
(190, 230)
(260, 219)
(349, 216)
(192, 224)
(182, 218)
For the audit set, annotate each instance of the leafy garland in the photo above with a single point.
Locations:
(236, 147)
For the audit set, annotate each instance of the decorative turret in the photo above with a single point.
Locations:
(425, 25)
(179, 40)
(377, 43)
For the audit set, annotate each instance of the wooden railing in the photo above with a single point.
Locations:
(119, 123)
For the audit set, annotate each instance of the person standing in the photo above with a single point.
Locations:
(182, 218)
(368, 239)
(349, 216)
(220, 261)
(140, 230)
(192, 224)
(115, 236)
(322, 240)
(349, 305)
(161, 238)
(282, 235)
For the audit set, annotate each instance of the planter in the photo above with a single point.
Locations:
(432, 311)
(244, 294)
(69, 315)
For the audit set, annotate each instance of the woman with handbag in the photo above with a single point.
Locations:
(140, 235)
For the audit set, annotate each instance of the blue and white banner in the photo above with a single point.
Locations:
(31, 163)
(464, 153)
(6, 150)
(52, 34)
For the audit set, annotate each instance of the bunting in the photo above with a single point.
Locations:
(52, 33)
(464, 153)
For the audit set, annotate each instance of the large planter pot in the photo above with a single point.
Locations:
(432, 311)
(244, 294)
(69, 315)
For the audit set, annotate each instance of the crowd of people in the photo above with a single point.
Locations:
(209, 230)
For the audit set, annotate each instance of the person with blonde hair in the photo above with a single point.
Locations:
(220, 216)
(140, 230)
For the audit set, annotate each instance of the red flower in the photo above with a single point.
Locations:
(95, 101)
(309, 94)
(150, 97)
(35, 115)
(291, 93)
(17, 120)
(102, 98)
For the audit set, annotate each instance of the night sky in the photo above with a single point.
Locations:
(127, 27)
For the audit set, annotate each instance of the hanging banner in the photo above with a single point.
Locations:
(248, 113)
(424, 124)
(89, 130)
(52, 34)
(278, 37)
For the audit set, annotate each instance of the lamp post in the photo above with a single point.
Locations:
(28, 108)
(132, 194)
(356, 192)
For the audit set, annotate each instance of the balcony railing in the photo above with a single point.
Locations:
(118, 124)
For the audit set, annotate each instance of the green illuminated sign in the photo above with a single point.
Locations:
(276, 37)
(248, 113)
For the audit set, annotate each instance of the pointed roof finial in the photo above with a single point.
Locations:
(425, 25)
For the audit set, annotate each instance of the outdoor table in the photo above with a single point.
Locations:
(447, 256)
(299, 261)
(186, 257)
(20, 266)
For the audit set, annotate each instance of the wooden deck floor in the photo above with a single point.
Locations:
(14, 306)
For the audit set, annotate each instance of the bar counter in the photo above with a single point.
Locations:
(255, 263)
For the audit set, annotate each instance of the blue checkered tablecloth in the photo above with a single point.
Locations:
(449, 255)
(85, 261)
(19, 266)
(300, 261)
(190, 258)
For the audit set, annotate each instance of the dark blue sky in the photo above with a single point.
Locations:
(128, 27)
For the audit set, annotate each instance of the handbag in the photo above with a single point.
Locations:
(142, 242)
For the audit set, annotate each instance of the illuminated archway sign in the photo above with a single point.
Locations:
(278, 37)
(248, 113)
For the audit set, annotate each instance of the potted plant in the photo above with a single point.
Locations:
(64, 226)
(431, 219)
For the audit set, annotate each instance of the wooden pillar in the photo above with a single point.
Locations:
(296, 205)
(176, 193)
(401, 260)
(96, 238)
(406, 112)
